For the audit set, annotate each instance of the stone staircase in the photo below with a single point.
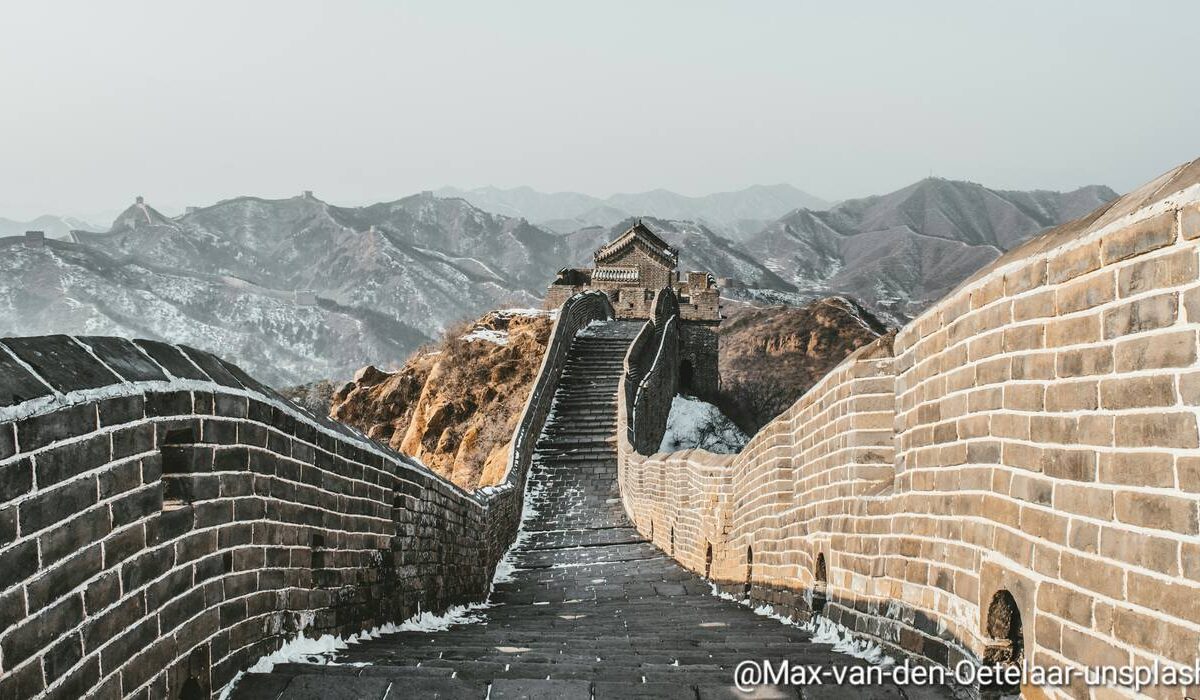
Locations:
(593, 610)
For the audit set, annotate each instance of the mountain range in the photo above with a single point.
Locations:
(52, 226)
(731, 213)
(899, 252)
(298, 289)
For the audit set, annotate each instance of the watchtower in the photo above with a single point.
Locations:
(631, 269)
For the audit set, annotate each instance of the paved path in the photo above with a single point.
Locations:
(594, 611)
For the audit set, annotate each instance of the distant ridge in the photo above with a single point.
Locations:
(900, 251)
(298, 289)
(569, 211)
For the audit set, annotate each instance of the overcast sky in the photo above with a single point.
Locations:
(188, 103)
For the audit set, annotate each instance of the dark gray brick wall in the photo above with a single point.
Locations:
(164, 517)
(652, 377)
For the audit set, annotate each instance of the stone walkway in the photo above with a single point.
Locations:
(593, 611)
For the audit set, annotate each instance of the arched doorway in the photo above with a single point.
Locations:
(686, 376)
(820, 584)
(708, 561)
(749, 571)
(192, 690)
(1006, 645)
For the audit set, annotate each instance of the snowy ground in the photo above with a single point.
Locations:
(696, 423)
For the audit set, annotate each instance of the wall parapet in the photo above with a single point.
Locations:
(165, 520)
(1017, 473)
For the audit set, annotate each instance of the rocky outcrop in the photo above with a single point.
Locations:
(454, 407)
(771, 356)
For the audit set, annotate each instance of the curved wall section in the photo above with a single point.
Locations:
(1018, 474)
(165, 520)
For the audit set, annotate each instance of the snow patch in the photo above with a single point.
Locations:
(551, 313)
(695, 423)
(488, 335)
(320, 651)
(823, 630)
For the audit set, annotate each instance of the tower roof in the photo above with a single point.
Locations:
(638, 232)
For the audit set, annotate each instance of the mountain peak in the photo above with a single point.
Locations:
(140, 214)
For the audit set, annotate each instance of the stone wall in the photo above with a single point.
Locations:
(1030, 445)
(651, 378)
(165, 520)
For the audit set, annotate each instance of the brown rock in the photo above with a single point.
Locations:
(453, 406)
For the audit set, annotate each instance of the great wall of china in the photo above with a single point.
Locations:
(1016, 471)
(1030, 440)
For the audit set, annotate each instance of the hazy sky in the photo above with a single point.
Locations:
(188, 103)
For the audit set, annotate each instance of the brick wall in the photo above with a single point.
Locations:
(164, 517)
(1031, 437)
(651, 378)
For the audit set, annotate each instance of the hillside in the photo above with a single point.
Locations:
(64, 287)
(454, 406)
(421, 258)
(771, 356)
(899, 252)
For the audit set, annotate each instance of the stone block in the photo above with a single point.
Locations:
(1156, 553)
(1156, 636)
(18, 563)
(1137, 239)
(1076, 465)
(1073, 263)
(1145, 314)
(1086, 293)
(38, 431)
(69, 460)
(1072, 396)
(170, 358)
(1189, 220)
(1157, 430)
(1162, 271)
(16, 479)
(1027, 277)
(168, 403)
(123, 357)
(122, 409)
(1064, 603)
(59, 580)
(50, 506)
(133, 440)
(1084, 362)
(73, 535)
(62, 362)
(1137, 392)
(1094, 575)
(1137, 468)
(1158, 511)
(1073, 330)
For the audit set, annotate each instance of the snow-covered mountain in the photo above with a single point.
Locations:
(423, 259)
(732, 213)
(298, 289)
(293, 289)
(899, 252)
(69, 288)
